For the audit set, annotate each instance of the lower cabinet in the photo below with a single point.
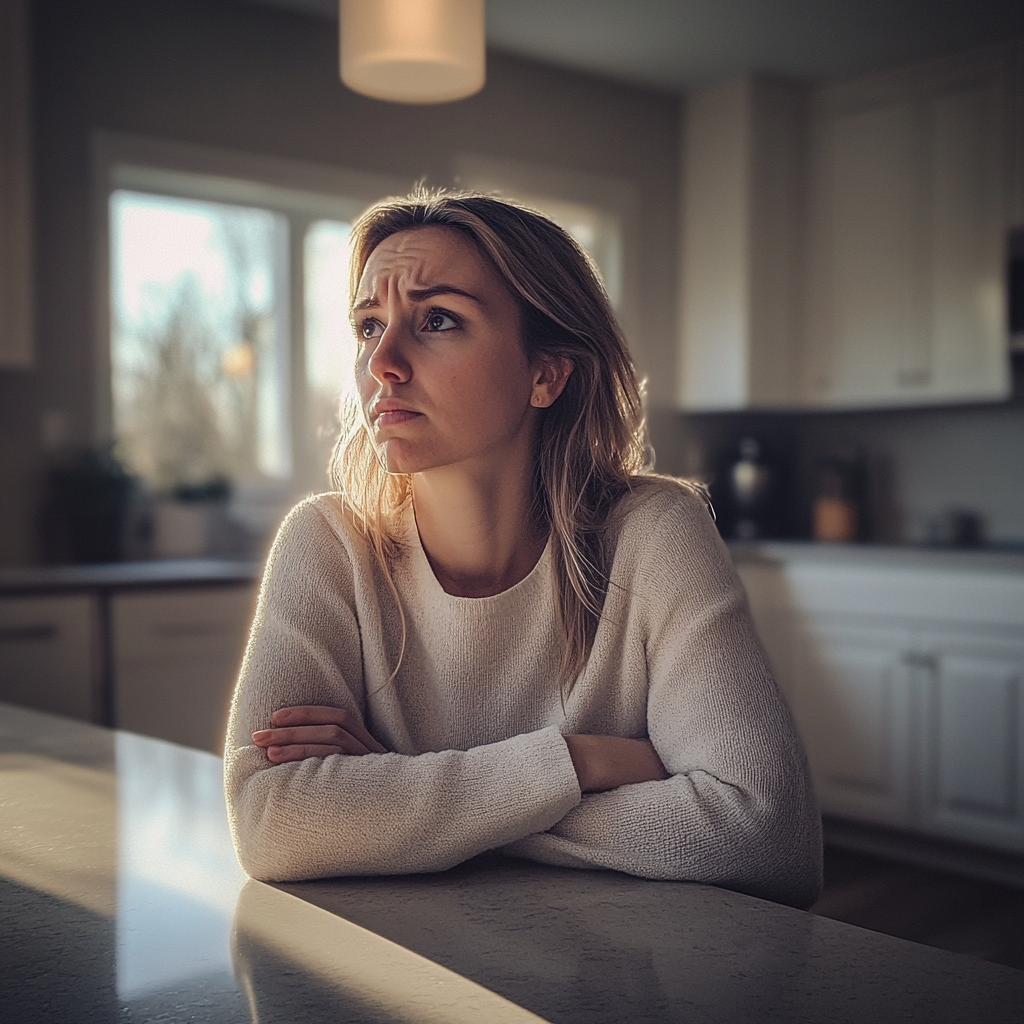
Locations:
(854, 710)
(49, 651)
(176, 655)
(971, 737)
(910, 719)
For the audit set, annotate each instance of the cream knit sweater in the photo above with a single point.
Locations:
(474, 717)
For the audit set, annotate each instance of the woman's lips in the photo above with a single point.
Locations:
(395, 416)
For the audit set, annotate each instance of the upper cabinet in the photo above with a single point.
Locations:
(892, 269)
(15, 188)
(912, 181)
(743, 177)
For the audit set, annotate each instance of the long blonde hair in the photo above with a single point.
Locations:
(592, 440)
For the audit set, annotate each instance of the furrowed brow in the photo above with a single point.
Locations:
(421, 294)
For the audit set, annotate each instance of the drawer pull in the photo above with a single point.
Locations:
(18, 634)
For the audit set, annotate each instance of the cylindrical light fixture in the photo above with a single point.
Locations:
(413, 51)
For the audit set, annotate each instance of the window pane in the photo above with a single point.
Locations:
(330, 346)
(596, 230)
(199, 347)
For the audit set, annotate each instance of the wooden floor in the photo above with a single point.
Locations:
(965, 915)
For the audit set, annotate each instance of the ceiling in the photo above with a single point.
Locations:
(672, 44)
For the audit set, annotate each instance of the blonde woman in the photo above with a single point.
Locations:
(500, 632)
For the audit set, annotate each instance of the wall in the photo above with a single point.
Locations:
(265, 81)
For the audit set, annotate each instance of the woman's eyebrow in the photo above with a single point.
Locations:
(420, 295)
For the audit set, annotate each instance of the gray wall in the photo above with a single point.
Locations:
(266, 82)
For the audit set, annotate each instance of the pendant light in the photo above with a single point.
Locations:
(413, 51)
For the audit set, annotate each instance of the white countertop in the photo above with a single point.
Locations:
(122, 901)
(984, 559)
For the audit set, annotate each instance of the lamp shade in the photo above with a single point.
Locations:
(413, 51)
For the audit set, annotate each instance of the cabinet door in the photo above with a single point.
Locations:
(911, 196)
(853, 711)
(968, 355)
(48, 654)
(867, 294)
(973, 738)
(176, 660)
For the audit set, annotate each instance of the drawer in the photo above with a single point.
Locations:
(49, 654)
(176, 656)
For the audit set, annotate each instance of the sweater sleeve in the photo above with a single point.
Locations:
(738, 809)
(378, 813)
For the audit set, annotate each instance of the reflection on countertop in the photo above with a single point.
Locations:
(122, 901)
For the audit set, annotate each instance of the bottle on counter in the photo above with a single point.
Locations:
(835, 516)
(750, 482)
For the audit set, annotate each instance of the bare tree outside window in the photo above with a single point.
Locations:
(199, 393)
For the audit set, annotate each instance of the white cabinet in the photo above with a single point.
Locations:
(176, 656)
(742, 178)
(912, 197)
(972, 736)
(844, 246)
(907, 686)
(49, 654)
(854, 712)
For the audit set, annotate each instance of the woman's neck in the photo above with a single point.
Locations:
(477, 530)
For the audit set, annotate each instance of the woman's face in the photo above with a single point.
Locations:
(443, 376)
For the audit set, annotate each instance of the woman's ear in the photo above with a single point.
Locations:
(549, 379)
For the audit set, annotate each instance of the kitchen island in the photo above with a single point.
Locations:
(122, 901)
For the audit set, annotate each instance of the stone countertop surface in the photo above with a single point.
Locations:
(122, 901)
(128, 575)
(1008, 559)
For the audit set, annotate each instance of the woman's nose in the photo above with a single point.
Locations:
(388, 363)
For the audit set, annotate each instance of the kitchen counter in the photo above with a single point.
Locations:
(122, 901)
(128, 575)
(984, 559)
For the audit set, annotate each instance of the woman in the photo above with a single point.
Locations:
(500, 633)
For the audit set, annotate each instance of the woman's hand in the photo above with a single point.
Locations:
(312, 730)
(607, 762)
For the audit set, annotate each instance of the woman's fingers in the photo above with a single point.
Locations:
(334, 736)
(300, 751)
(319, 714)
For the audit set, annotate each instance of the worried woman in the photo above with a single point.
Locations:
(500, 631)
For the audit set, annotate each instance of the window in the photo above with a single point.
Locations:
(227, 337)
(199, 349)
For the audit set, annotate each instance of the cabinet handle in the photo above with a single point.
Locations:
(16, 634)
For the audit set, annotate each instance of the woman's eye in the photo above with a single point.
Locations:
(440, 322)
(370, 328)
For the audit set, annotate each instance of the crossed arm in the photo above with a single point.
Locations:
(601, 762)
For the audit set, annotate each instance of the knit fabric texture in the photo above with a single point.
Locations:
(473, 721)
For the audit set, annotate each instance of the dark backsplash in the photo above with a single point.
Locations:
(794, 445)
